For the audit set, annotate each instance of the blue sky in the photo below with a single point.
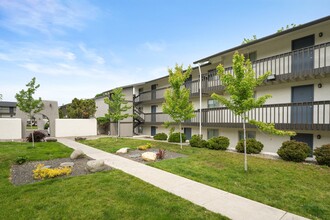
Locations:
(80, 48)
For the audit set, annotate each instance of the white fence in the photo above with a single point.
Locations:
(10, 128)
(75, 127)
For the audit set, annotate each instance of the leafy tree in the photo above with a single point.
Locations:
(177, 104)
(26, 102)
(81, 108)
(117, 107)
(241, 86)
(247, 40)
(287, 27)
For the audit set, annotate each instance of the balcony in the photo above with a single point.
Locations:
(301, 64)
(309, 62)
(293, 116)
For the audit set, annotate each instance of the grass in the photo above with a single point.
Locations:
(104, 195)
(303, 189)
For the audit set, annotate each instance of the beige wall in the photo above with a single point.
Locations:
(10, 128)
(102, 108)
(75, 127)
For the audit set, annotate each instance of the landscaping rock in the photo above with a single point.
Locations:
(122, 150)
(149, 156)
(95, 166)
(79, 139)
(67, 164)
(77, 154)
(50, 139)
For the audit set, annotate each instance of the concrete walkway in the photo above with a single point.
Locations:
(215, 200)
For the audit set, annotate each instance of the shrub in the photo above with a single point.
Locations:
(38, 136)
(41, 172)
(322, 155)
(160, 136)
(293, 151)
(21, 159)
(160, 154)
(218, 143)
(197, 141)
(252, 146)
(46, 126)
(144, 147)
(175, 137)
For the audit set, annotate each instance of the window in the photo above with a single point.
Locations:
(212, 133)
(211, 103)
(252, 56)
(249, 134)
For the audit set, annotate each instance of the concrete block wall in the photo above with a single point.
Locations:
(10, 128)
(75, 127)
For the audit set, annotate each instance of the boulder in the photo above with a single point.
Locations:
(77, 154)
(149, 156)
(67, 164)
(95, 165)
(79, 138)
(122, 150)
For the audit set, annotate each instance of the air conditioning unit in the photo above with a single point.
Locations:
(271, 77)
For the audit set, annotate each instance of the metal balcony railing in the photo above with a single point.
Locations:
(309, 61)
(297, 116)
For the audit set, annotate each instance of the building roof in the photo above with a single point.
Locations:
(7, 104)
(327, 18)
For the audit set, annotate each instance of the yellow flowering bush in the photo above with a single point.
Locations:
(41, 172)
(144, 147)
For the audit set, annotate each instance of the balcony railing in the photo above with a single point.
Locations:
(309, 61)
(297, 116)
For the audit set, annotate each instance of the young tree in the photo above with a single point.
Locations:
(177, 104)
(81, 108)
(117, 107)
(26, 102)
(241, 86)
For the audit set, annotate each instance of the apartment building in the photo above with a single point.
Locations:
(299, 59)
(7, 109)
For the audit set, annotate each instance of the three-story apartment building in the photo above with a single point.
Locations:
(299, 60)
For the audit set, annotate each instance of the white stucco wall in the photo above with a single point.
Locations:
(10, 128)
(75, 127)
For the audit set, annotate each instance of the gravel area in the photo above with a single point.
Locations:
(22, 174)
(136, 155)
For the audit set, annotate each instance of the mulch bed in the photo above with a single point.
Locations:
(23, 174)
(136, 155)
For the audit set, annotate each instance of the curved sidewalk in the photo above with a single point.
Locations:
(213, 199)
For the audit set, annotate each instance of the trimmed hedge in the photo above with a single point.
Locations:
(160, 136)
(197, 141)
(294, 151)
(175, 137)
(37, 135)
(252, 146)
(218, 143)
(322, 155)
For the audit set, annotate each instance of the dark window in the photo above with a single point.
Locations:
(251, 56)
(153, 130)
(211, 103)
(212, 133)
(249, 134)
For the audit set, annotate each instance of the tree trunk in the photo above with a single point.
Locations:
(180, 135)
(244, 136)
(32, 135)
(118, 135)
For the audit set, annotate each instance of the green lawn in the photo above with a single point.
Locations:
(105, 195)
(303, 189)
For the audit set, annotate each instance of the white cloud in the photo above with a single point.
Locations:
(90, 54)
(155, 46)
(46, 16)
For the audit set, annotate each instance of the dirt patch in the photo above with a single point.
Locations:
(23, 174)
(136, 155)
